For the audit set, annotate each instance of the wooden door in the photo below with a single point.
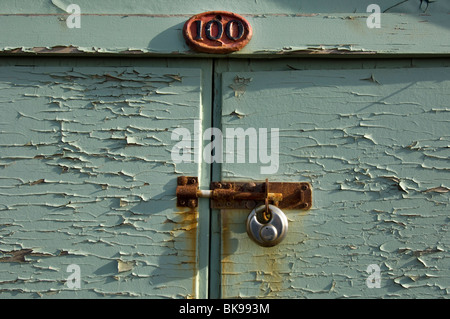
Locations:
(88, 181)
(87, 184)
(372, 139)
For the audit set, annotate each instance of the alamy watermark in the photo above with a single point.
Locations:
(187, 150)
(374, 20)
(374, 279)
(74, 279)
(74, 19)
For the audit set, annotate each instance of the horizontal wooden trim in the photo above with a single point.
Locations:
(274, 35)
(237, 6)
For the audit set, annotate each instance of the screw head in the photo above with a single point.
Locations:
(303, 205)
(192, 203)
(182, 180)
(250, 204)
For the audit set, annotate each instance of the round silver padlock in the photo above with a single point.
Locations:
(267, 234)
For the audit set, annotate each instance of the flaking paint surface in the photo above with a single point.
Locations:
(405, 30)
(86, 178)
(374, 144)
(180, 6)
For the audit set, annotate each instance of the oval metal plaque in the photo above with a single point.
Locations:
(217, 32)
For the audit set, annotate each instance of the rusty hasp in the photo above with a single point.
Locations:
(187, 191)
(245, 195)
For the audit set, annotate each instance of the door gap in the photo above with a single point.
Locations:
(214, 273)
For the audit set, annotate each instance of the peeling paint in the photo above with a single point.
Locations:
(79, 50)
(237, 114)
(19, 256)
(124, 266)
(60, 5)
(239, 85)
(374, 144)
(438, 190)
(86, 178)
(335, 33)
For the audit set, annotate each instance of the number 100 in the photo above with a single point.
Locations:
(219, 25)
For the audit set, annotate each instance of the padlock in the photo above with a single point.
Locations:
(270, 233)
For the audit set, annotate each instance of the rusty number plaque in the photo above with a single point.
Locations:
(217, 32)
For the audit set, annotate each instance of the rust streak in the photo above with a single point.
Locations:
(188, 225)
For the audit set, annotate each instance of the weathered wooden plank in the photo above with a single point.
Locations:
(279, 29)
(86, 178)
(254, 7)
(374, 144)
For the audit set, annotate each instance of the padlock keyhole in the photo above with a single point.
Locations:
(268, 233)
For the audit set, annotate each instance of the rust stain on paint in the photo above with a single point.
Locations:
(268, 267)
(187, 224)
(271, 280)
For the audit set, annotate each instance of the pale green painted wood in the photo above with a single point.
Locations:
(248, 7)
(280, 28)
(86, 178)
(374, 145)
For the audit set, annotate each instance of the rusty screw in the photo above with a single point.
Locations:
(250, 204)
(249, 186)
(182, 180)
(192, 203)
